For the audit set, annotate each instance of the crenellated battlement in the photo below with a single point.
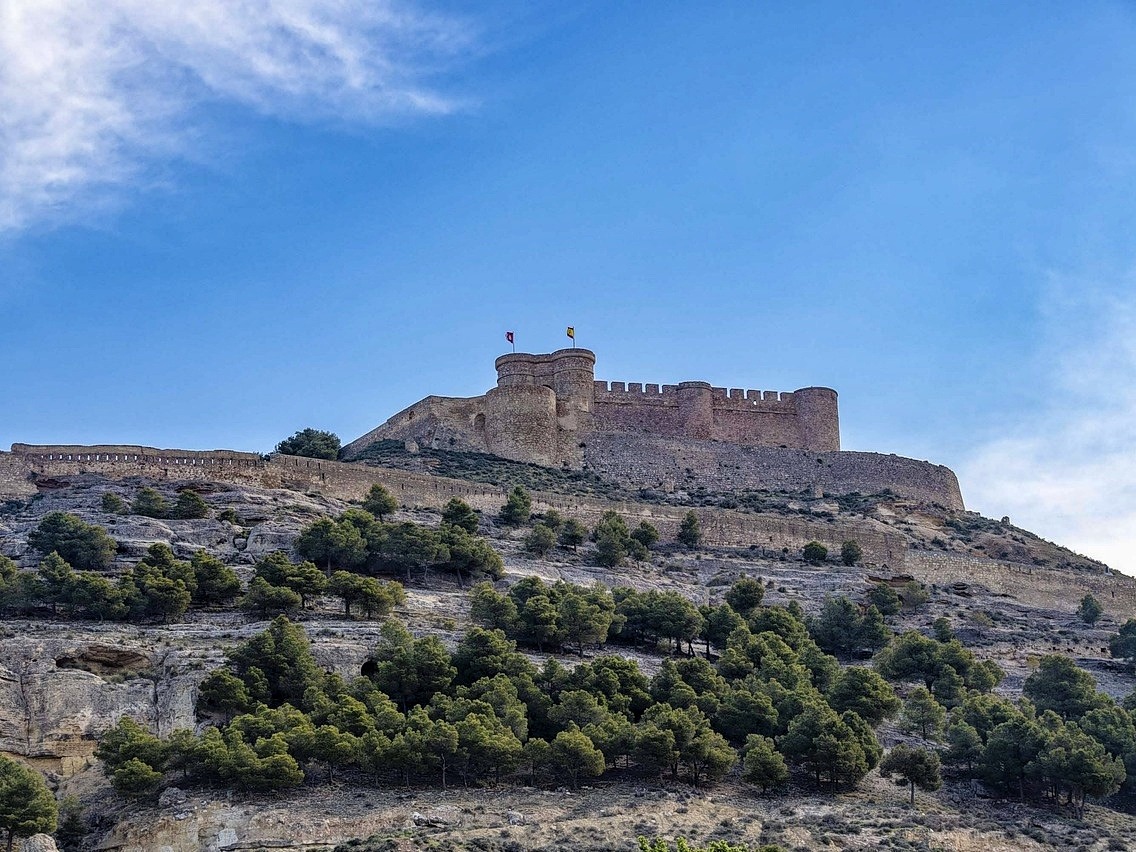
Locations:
(747, 400)
(131, 454)
(545, 405)
(550, 410)
(634, 392)
(734, 399)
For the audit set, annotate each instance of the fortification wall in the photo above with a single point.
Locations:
(511, 420)
(119, 453)
(650, 462)
(350, 481)
(723, 399)
(121, 460)
(721, 527)
(698, 411)
(1044, 587)
(883, 548)
(641, 461)
(14, 478)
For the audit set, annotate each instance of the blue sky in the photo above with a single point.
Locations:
(222, 222)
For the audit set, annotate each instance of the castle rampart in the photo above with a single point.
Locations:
(512, 419)
(644, 459)
(27, 464)
(549, 409)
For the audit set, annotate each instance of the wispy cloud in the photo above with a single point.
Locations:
(92, 92)
(1068, 471)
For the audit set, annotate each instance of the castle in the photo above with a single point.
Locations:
(548, 409)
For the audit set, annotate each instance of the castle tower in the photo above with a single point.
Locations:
(819, 419)
(574, 380)
(569, 373)
(520, 423)
(696, 410)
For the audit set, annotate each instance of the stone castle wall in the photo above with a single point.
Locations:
(806, 419)
(884, 549)
(1060, 589)
(544, 406)
(350, 481)
(669, 463)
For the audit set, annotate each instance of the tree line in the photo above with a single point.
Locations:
(773, 700)
(484, 712)
(72, 579)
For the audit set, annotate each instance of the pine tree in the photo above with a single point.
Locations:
(312, 443)
(517, 509)
(572, 534)
(190, 506)
(1090, 610)
(851, 553)
(380, 503)
(26, 804)
(916, 767)
(883, 597)
(864, 692)
(763, 764)
(85, 547)
(690, 530)
(575, 755)
(745, 595)
(149, 503)
(216, 582)
(922, 713)
(814, 553)
(460, 514)
(540, 540)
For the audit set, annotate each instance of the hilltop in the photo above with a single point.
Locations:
(1008, 596)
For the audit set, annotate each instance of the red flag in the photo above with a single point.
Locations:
(509, 336)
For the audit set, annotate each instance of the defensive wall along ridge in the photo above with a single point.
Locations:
(884, 549)
(1060, 589)
(27, 465)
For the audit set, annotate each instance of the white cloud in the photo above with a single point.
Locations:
(92, 92)
(1068, 472)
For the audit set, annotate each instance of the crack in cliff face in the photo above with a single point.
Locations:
(25, 702)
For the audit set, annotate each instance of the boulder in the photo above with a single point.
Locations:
(38, 843)
(172, 797)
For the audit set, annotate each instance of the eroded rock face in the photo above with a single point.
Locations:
(62, 685)
(106, 660)
(38, 843)
(59, 693)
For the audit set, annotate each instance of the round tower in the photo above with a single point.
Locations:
(517, 368)
(818, 418)
(574, 380)
(520, 423)
(696, 410)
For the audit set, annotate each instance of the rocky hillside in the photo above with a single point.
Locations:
(64, 683)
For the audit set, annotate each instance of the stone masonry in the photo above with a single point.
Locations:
(549, 410)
